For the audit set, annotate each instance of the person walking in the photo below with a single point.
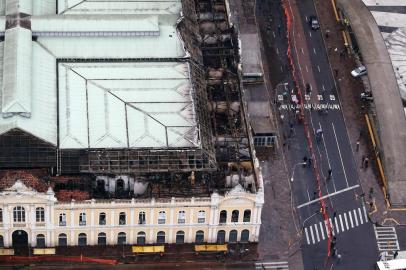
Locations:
(357, 146)
(363, 161)
(366, 162)
(329, 172)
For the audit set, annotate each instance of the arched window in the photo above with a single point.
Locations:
(141, 218)
(141, 238)
(82, 239)
(223, 216)
(245, 236)
(100, 186)
(121, 238)
(199, 237)
(1, 241)
(161, 217)
(232, 238)
(201, 216)
(40, 240)
(119, 185)
(247, 215)
(62, 240)
(19, 214)
(181, 217)
(234, 216)
(160, 237)
(121, 219)
(221, 237)
(180, 237)
(39, 214)
(62, 219)
(1, 215)
(102, 218)
(101, 239)
(82, 219)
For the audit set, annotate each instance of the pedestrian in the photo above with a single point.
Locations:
(329, 172)
(282, 118)
(363, 161)
(279, 29)
(357, 146)
(366, 161)
(395, 254)
(334, 214)
(309, 162)
(338, 258)
(304, 160)
(314, 195)
(336, 72)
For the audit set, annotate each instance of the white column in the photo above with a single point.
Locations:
(254, 215)
(7, 217)
(113, 214)
(151, 238)
(191, 221)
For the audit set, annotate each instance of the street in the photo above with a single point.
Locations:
(330, 149)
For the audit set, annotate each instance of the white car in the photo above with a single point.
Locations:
(359, 71)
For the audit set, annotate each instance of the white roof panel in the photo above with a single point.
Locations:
(18, 6)
(16, 90)
(44, 7)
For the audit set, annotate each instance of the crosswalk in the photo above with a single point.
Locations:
(343, 222)
(272, 265)
(386, 238)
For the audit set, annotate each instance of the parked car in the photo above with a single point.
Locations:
(359, 71)
(314, 22)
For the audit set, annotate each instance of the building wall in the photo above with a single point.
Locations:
(51, 228)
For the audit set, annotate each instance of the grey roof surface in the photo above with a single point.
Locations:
(390, 112)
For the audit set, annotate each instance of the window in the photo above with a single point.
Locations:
(245, 236)
(40, 240)
(141, 238)
(201, 216)
(82, 219)
(40, 214)
(121, 219)
(221, 237)
(1, 241)
(141, 218)
(1, 215)
(82, 239)
(181, 217)
(232, 238)
(19, 214)
(62, 240)
(101, 239)
(121, 238)
(62, 219)
(247, 215)
(199, 237)
(102, 219)
(161, 217)
(180, 237)
(223, 216)
(160, 238)
(234, 216)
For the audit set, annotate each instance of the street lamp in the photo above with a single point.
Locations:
(293, 169)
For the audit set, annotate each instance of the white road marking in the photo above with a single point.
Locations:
(332, 226)
(336, 225)
(360, 216)
(317, 232)
(346, 221)
(365, 213)
(308, 195)
(302, 50)
(274, 34)
(277, 50)
(307, 236)
(307, 70)
(281, 68)
(311, 233)
(352, 224)
(328, 159)
(326, 196)
(314, 50)
(341, 222)
(339, 152)
(318, 68)
(326, 226)
(310, 34)
(322, 86)
(321, 229)
(355, 217)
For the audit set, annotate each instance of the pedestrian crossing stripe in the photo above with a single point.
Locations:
(272, 265)
(343, 222)
(386, 238)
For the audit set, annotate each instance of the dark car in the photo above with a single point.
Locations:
(314, 22)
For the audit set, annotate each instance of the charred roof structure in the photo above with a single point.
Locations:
(139, 98)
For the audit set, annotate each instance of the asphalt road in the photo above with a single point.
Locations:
(355, 240)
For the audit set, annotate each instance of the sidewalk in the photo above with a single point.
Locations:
(349, 90)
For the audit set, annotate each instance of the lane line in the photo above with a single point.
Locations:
(346, 221)
(360, 216)
(307, 70)
(302, 51)
(352, 224)
(314, 50)
(339, 152)
(317, 232)
(328, 159)
(365, 213)
(322, 86)
(326, 196)
(310, 34)
(318, 68)
(332, 226)
(355, 217)
(341, 222)
(307, 236)
(311, 233)
(326, 226)
(321, 229)
(274, 34)
(277, 50)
